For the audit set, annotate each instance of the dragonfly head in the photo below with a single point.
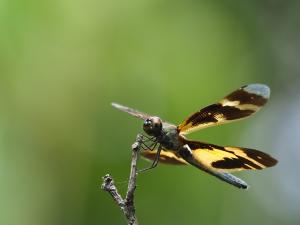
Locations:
(153, 126)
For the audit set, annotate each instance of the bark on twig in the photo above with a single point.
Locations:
(127, 204)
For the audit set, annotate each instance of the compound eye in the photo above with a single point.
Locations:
(147, 122)
(147, 126)
(153, 126)
(157, 124)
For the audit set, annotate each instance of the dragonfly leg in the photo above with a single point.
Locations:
(155, 161)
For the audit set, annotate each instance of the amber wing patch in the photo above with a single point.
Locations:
(237, 105)
(166, 157)
(230, 159)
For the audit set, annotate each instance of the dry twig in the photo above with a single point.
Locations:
(127, 204)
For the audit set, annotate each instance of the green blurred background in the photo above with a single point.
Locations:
(63, 62)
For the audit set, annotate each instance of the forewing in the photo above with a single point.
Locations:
(229, 159)
(166, 157)
(131, 111)
(237, 105)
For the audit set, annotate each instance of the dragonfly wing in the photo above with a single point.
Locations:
(187, 154)
(229, 159)
(166, 157)
(237, 105)
(131, 111)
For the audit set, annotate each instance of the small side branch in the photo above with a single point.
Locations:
(127, 204)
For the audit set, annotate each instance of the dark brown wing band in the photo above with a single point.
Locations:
(237, 105)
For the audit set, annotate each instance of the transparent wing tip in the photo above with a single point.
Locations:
(119, 106)
(258, 89)
(116, 105)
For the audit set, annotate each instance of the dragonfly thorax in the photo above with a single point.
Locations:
(153, 126)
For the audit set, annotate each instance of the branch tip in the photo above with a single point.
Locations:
(127, 204)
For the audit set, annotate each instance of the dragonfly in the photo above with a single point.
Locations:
(169, 144)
